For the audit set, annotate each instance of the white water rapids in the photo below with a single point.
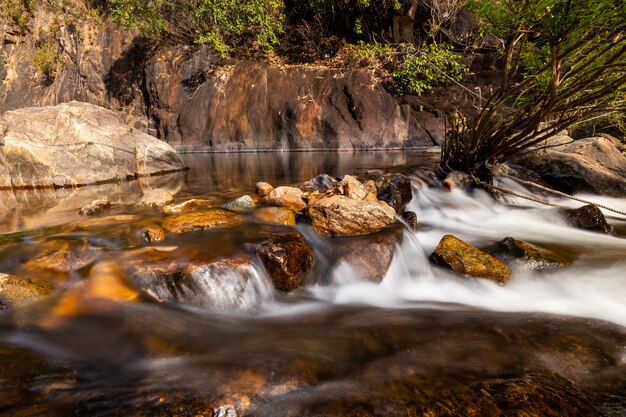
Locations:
(593, 286)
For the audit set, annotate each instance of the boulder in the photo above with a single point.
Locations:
(201, 220)
(455, 254)
(592, 165)
(287, 259)
(95, 207)
(76, 144)
(533, 257)
(322, 183)
(340, 215)
(156, 198)
(289, 197)
(17, 292)
(396, 191)
(278, 215)
(263, 188)
(352, 188)
(188, 205)
(242, 203)
(589, 218)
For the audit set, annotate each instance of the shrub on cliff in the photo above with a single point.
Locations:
(564, 61)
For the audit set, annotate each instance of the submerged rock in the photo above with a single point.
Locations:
(589, 218)
(289, 197)
(76, 144)
(55, 259)
(534, 257)
(95, 207)
(455, 254)
(287, 259)
(340, 215)
(156, 198)
(278, 215)
(188, 205)
(201, 220)
(152, 233)
(240, 204)
(17, 292)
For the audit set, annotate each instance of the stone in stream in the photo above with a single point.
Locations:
(189, 205)
(55, 259)
(263, 188)
(352, 188)
(95, 207)
(455, 254)
(201, 220)
(287, 259)
(76, 144)
(411, 219)
(17, 292)
(278, 215)
(242, 203)
(396, 191)
(157, 197)
(342, 216)
(289, 197)
(152, 233)
(589, 217)
(322, 184)
(533, 257)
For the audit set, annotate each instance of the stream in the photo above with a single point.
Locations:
(423, 342)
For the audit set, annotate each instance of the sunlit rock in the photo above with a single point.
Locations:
(321, 183)
(77, 143)
(263, 188)
(152, 233)
(278, 215)
(455, 254)
(340, 215)
(189, 205)
(201, 220)
(589, 218)
(17, 292)
(287, 259)
(242, 203)
(352, 188)
(95, 207)
(289, 197)
(157, 197)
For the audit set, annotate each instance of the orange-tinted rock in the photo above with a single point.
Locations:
(340, 215)
(263, 188)
(189, 205)
(201, 220)
(278, 215)
(289, 197)
(152, 233)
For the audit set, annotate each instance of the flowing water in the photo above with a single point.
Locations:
(424, 341)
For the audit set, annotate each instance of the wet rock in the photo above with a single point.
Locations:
(322, 183)
(370, 186)
(17, 292)
(589, 218)
(289, 197)
(278, 215)
(534, 257)
(411, 219)
(58, 257)
(240, 204)
(108, 221)
(75, 144)
(340, 215)
(287, 258)
(455, 254)
(592, 165)
(201, 220)
(188, 205)
(107, 280)
(156, 198)
(397, 193)
(352, 188)
(95, 207)
(152, 233)
(369, 255)
(263, 188)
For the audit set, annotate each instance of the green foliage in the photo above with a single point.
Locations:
(16, 11)
(435, 64)
(222, 24)
(372, 53)
(564, 62)
(46, 57)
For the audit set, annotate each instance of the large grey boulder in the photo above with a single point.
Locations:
(587, 165)
(76, 144)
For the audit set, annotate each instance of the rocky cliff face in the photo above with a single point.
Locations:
(183, 95)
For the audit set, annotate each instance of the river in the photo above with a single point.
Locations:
(423, 342)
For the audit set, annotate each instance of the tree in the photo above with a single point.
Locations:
(564, 61)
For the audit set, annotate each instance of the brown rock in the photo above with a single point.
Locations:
(201, 220)
(263, 188)
(340, 215)
(62, 256)
(411, 219)
(188, 205)
(370, 186)
(278, 215)
(322, 183)
(95, 207)
(289, 197)
(455, 254)
(589, 218)
(17, 292)
(156, 198)
(397, 193)
(152, 233)
(108, 221)
(287, 259)
(352, 188)
(534, 257)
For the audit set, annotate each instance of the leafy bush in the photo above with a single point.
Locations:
(222, 24)
(46, 57)
(16, 11)
(435, 64)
